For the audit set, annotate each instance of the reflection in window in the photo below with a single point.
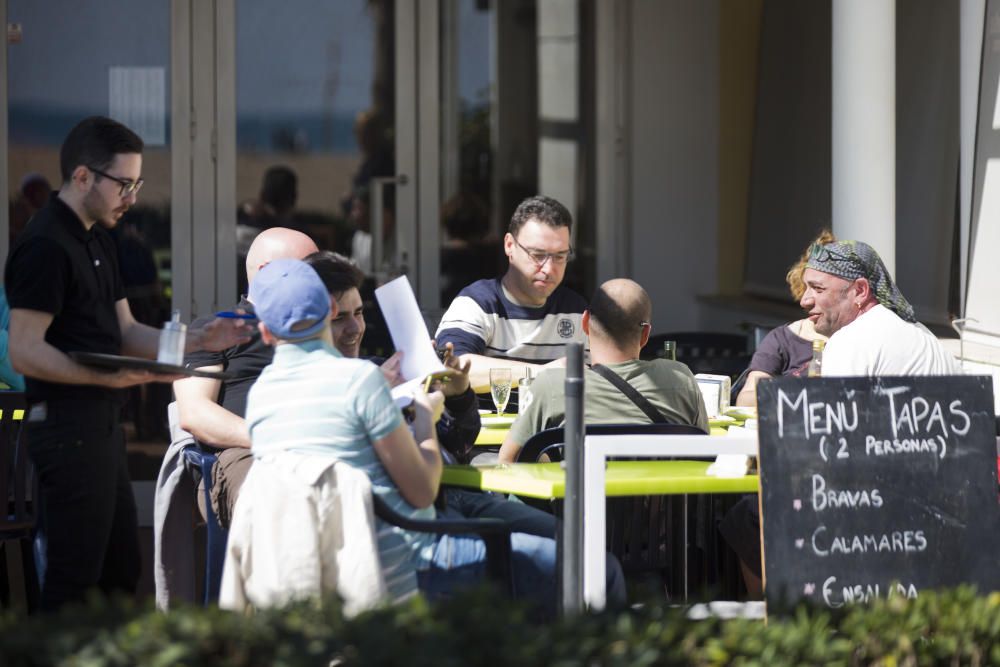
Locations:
(311, 128)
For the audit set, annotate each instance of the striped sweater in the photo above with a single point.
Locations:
(483, 320)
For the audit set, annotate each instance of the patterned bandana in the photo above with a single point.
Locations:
(851, 260)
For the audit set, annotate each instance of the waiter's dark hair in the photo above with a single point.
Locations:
(94, 142)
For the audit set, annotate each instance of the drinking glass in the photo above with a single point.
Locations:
(500, 388)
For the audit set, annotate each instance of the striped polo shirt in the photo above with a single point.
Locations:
(483, 320)
(312, 400)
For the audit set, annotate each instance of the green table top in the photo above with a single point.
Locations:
(494, 430)
(622, 478)
(493, 436)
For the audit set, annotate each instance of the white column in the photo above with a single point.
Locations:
(407, 15)
(612, 83)
(559, 101)
(225, 154)
(973, 14)
(181, 149)
(422, 243)
(864, 124)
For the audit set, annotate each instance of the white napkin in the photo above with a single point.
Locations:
(729, 465)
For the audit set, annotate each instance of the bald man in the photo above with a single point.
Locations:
(617, 325)
(212, 410)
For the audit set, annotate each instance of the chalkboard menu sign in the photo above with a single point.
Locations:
(875, 487)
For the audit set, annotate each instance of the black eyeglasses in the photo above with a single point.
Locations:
(128, 187)
(539, 257)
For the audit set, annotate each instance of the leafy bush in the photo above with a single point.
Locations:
(948, 628)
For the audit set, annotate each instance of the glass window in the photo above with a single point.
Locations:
(72, 62)
(313, 117)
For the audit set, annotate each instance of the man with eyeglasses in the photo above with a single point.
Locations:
(66, 295)
(617, 325)
(526, 317)
(851, 298)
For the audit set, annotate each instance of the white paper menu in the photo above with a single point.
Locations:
(409, 334)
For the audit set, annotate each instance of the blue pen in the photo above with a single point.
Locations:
(228, 314)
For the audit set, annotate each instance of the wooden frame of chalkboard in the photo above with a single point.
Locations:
(874, 487)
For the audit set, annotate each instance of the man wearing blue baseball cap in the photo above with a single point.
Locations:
(312, 400)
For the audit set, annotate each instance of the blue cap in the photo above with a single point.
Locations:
(289, 297)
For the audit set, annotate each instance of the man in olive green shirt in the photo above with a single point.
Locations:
(617, 325)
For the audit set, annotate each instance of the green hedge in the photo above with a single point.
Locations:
(950, 628)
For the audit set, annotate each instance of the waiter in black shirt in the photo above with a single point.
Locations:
(66, 295)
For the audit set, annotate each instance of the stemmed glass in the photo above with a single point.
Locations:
(500, 388)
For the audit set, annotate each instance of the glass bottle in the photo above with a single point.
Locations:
(670, 350)
(524, 391)
(172, 339)
(816, 363)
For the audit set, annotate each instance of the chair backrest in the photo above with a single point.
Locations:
(16, 473)
(550, 441)
(199, 464)
(705, 352)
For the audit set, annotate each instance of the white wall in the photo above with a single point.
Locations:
(674, 111)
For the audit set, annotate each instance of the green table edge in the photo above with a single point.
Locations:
(545, 480)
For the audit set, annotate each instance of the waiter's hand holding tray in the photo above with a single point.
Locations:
(114, 362)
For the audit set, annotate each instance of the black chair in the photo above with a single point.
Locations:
(705, 352)
(646, 533)
(18, 490)
(495, 533)
(738, 384)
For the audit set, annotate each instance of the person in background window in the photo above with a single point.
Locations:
(274, 207)
(376, 149)
(468, 252)
(31, 197)
(377, 161)
(361, 218)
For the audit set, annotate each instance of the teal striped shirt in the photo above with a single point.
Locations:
(312, 400)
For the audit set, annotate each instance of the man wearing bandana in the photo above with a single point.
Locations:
(851, 298)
